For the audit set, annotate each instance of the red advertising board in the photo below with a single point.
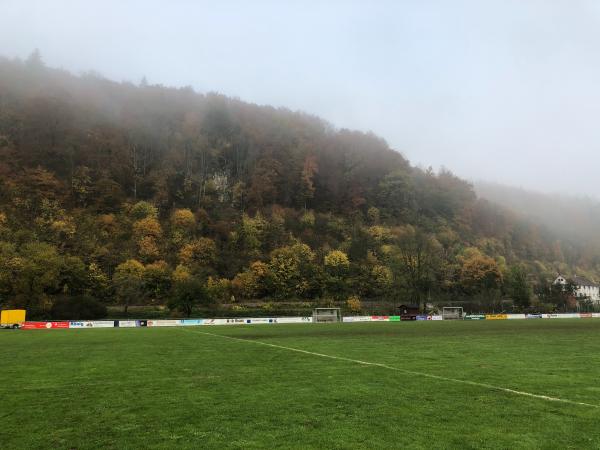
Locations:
(380, 318)
(43, 325)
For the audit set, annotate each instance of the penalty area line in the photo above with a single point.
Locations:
(405, 371)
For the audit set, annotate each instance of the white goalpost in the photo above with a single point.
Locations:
(327, 315)
(452, 313)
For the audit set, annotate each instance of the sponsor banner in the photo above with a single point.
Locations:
(191, 322)
(423, 317)
(569, 316)
(214, 322)
(33, 325)
(380, 318)
(596, 315)
(44, 325)
(126, 323)
(258, 320)
(350, 319)
(141, 323)
(394, 318)
(515, 316)
(562, 316)
(437, 318)
(475, 317)
(102, 323)
(237, 321)
(534, 316)
(496, 316)
(293, 320)
(164, 323)
(585, 315)
(92, 324)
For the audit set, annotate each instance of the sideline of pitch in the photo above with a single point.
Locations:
(397, 369)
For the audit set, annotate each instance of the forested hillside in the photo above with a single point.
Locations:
(115, 193)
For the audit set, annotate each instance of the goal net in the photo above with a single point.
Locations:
(452, 313)
(324, 315)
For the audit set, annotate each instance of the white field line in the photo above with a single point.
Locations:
(397, 369)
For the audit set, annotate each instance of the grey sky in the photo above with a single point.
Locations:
(499, 90)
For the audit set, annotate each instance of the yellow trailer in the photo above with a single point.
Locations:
(12, 318)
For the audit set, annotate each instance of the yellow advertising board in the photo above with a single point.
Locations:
(496, 316)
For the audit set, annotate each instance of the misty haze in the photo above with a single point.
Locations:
(299, 224)
(456, 84)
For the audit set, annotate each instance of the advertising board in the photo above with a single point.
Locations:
(496, 316)
(350, 319)
(214, 322)
(92, 324)
(260, 320)
(515, 316)
(569, 316)
(125, 323)
(294, 319)
(380, 318)
(164, 323)
(191, 322)
(44, 325)
(475, 317)
(102, 323)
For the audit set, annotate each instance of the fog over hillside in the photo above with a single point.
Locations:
(501, 90)
(574, 218)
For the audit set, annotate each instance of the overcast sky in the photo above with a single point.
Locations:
(499, 90)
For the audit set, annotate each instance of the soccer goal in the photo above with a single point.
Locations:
(452, 313)
(324, 315)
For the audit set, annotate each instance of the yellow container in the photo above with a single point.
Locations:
(12, 317)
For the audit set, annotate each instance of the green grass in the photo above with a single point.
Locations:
(178, 388)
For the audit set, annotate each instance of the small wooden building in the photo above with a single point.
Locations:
(409, 312)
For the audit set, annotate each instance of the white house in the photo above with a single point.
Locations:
(584, 288)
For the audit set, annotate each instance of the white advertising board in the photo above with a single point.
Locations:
(293, 320)
(92, 324)
(214, 322)
(165, 323)
(102, 323)
(351, 319)
(260, 320)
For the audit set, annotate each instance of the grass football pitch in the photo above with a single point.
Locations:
(488, 384)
